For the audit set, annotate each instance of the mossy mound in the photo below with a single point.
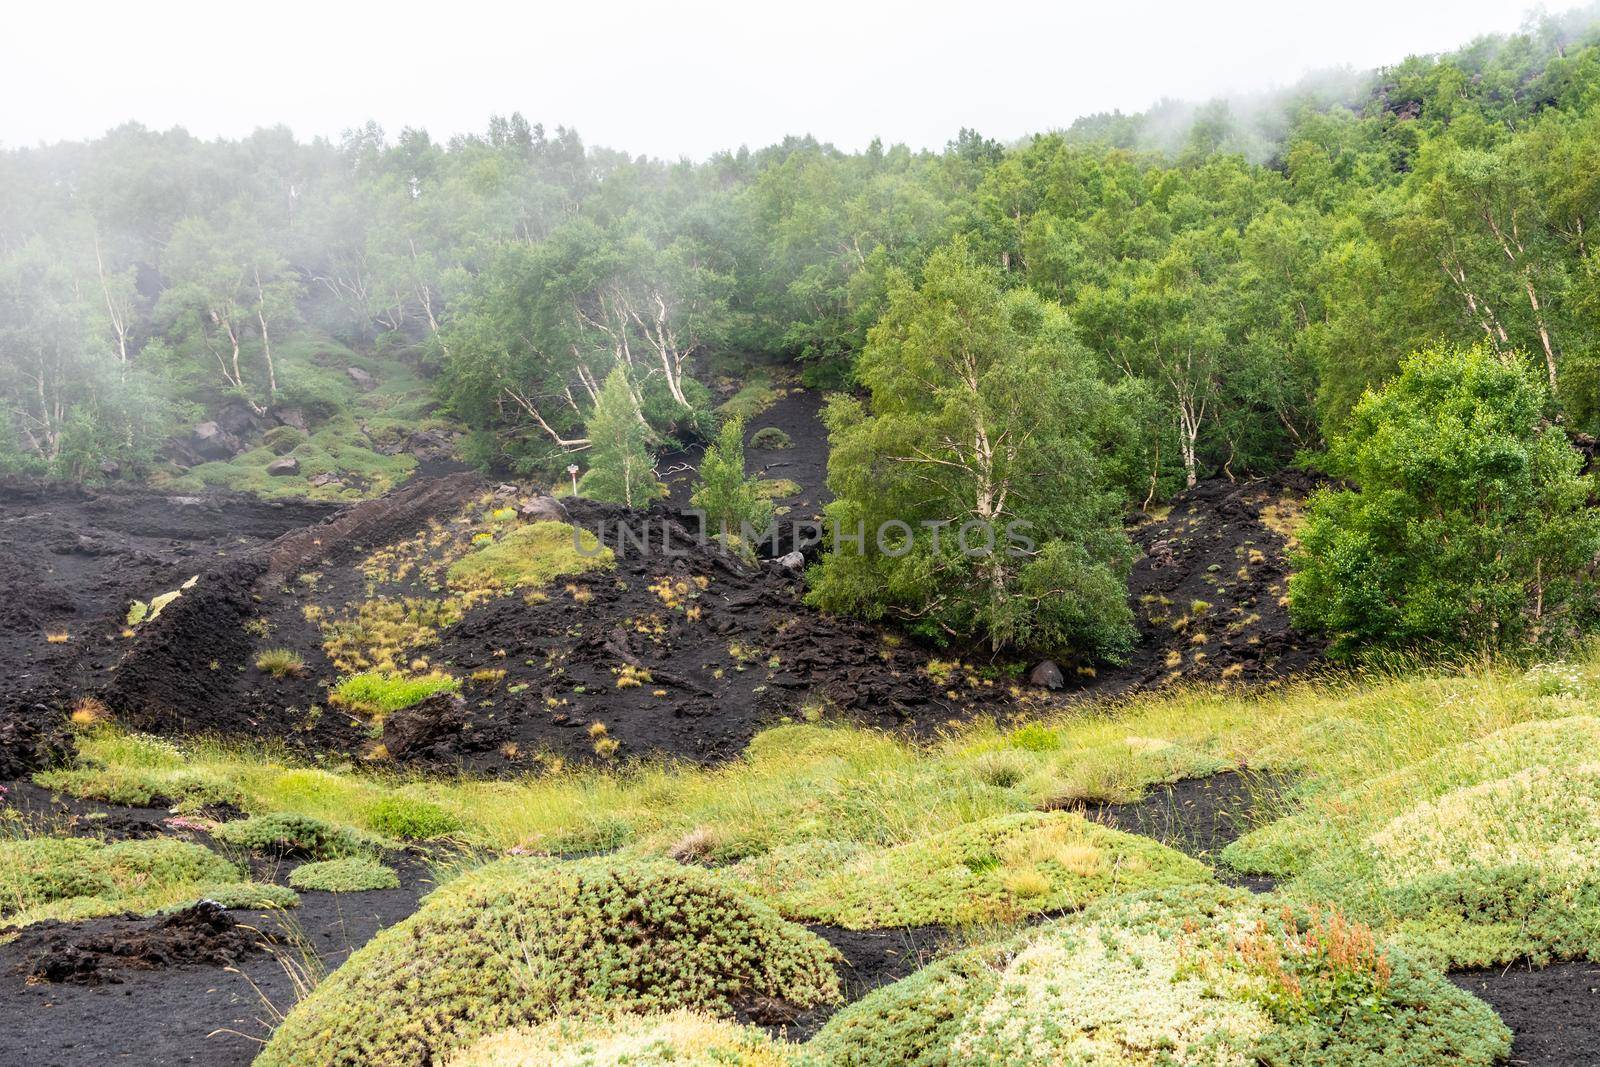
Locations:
(522, 941)
(290, 835)
(78, 878)
(351, 874)
(1001, 868)
(1290, 845)
(770, 437)
(681, 1039)
(1202, 975)
(1480, 855)
(529, 557)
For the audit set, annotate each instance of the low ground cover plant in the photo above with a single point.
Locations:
(682, 1037)
(376, 693)
(529, 557)
(287, 834)
(999, 869)
(1200, 975)
(349, 874)
(43, 877)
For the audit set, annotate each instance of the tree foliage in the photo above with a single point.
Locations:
(1467, 523)
(971, 472)
(730, 501)
(621, 468)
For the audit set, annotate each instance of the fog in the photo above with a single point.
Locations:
(681, 79)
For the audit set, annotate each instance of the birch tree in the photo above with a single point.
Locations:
(982, 414)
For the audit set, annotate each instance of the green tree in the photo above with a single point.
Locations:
(621, 468)
(1467, 525)
(983, 414)
(729, 500)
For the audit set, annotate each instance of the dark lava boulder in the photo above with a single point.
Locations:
(412, 730)
(32, 737)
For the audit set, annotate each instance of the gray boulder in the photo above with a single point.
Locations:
(794, 562)
(210, 441)
(1047, 675)
(364, 381)
(278, 468)
(542, 509)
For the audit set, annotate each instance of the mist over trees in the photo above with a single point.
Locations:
(1236, 276)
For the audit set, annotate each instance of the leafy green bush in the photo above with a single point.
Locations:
(349, 874)
(289, 834)
(1022, 545)
(681, 1039)
(410, 818)
(1000, 868)
(621, 466)
(1194, 975)
(377, 693)
(729, 500)
(770, 437)
(521, 941)
(1468, 526)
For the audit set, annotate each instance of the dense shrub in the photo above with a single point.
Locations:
(1197, 975)
(681, 1039)
(291, 835)
(517, 942)
(1467, 525)
(1000, 868)
(350, 874)
(730, 500)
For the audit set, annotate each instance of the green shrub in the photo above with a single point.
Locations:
(1034, 737)
(681, 1039)
(280, 662)
(770, 437)
(62, 877)
(729, 500)
(1194, 975)
(290, 835)
(410, 818)
(521, 941)
(350, 874)
(1001, 868)
(1468, 525)
(377, 693)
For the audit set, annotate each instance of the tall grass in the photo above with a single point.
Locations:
(799, 783)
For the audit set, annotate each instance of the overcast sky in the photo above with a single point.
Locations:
(680, 77)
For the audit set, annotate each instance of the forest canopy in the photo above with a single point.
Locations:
(1218, 302)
